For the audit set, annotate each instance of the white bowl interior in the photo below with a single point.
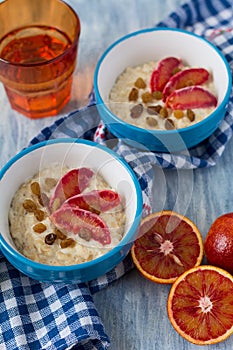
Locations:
(73, 155)
(157, 44)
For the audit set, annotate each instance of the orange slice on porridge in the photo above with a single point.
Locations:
(85, 224)
(96, 201)
(191, 97)
(72, 183)
(184, 78)
(162, 73)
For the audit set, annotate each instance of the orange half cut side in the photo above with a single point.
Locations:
(200, 305)
(167, 245)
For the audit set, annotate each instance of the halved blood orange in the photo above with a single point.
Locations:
(167, 245)
(200, 305)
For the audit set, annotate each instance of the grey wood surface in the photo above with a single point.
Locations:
(133, 310)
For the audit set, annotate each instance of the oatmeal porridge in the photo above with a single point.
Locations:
(134, 99)
(50, 229)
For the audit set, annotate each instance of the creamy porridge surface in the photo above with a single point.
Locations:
(68, 248)
(121, 106)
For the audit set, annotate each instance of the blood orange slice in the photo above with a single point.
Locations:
(200, 305)
(168, 245)
(191, 97)
(81, 222)
(184, 78)
(72, 183)
(96, 201)
(163, 72)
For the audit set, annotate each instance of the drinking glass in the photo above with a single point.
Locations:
(38, 54)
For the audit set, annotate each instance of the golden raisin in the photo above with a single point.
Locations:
(169, 124)
(140, 83)
(50, 182)
(133, 95)
(35, 188)
(153, 110)
(43, 199)
(29, 205)
(39, 214)
(59, 234)
(151, 121)
(191, 115)
(163, 112)
(85, 234)
(68, 242)
(157, 95)
(136, 111)
(50, 238)
(147, 97)
(39, 228)
(178, 114)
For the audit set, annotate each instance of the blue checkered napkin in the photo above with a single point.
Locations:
(36, 315)
(42, 316)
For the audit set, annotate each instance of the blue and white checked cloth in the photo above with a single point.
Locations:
(37, 315)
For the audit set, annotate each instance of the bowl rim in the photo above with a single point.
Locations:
(134, 128)
(125, 240)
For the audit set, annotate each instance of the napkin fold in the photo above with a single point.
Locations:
(38, 315)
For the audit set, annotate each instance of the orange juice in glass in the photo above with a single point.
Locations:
(38, 53)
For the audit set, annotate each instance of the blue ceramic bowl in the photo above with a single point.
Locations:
(152, 45)
(72, 153)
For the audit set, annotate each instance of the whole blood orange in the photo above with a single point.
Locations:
(167, 245)
(219, 243)
(200, 305)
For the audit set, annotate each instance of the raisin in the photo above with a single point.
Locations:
(157, 95)
(169, 124)
(39, 214)
(68, 242)
(50, 238)
(35, 188)
(140, 83)
(43, 199)
(151, 121)
(147, 97)
(136, 111)
(29, 205)
(50, 182)
(85, 234)
(163, 112)
(39, 228)
(178, 114)
(59, 234)
(133, 95)
(191, 115)
(153, 110)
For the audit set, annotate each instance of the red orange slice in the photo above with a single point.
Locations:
(168, 245)
(81, 222)
(191, 97)
(184, 78)
(72, 183)
(200, 305)
(162, 73)
(96, 201)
